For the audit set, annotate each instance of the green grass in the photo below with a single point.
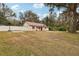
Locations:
(38, 43)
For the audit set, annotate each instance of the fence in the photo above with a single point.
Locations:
(13, 28)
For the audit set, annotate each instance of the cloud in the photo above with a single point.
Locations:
(38, 5)
(15, 7)
(44, 15)
(41, 16)
(22, 11)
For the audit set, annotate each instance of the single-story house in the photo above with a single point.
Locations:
(32, 26)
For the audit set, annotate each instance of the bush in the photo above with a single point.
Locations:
(57, 28)
(61, 28)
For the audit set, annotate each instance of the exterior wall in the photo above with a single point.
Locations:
(13, 28)
(37, 29)
(4, 28)
(29, 28)
(26, 27)
(45, 29)
(21, 28)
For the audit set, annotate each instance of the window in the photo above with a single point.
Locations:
(33, 27)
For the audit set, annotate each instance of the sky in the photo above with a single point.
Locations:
(37, 8)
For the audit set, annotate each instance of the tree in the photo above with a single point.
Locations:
(62, 21)
(49, 21)
(5, 13)
(71, 13)
(3, 20)
(30, 16)
(21, 17)
(78, 25)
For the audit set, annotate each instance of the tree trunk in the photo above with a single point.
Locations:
(72, 22)
(72, 18)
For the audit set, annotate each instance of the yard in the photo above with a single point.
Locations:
(39, 43)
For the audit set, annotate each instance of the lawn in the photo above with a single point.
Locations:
(38, 43)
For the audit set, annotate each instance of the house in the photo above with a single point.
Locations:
(32, 26)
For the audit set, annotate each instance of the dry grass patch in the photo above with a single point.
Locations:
(39, 43)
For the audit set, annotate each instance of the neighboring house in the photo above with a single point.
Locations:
(32, 26)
